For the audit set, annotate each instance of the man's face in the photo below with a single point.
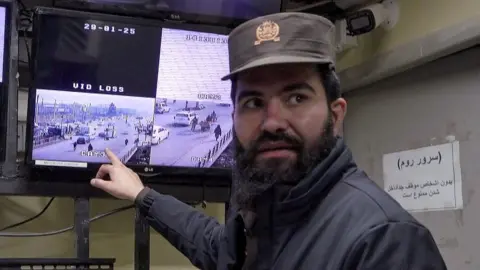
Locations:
(283, 125)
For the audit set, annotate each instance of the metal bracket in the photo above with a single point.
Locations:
(142, 242)
(82, 227)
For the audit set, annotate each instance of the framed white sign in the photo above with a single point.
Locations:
(425, 179)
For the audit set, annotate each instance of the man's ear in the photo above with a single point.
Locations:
(339, 110)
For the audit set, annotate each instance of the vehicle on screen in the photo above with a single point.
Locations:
(184, 118)
(159, 134)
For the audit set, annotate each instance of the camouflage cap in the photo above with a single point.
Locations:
(289, 37)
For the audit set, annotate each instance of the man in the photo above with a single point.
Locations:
(218, 132)
(300, 201)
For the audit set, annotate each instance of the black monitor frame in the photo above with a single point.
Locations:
(165, 15)
(175, 175)
(8, 90)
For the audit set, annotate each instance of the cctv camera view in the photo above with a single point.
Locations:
(187, 124)
(192, 125)
(78, 127)
(190, 133)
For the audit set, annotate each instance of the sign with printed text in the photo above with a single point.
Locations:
(425, 179)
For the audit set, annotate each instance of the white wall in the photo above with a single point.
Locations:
(419, 108)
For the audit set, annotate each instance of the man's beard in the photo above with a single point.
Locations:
(253, 177)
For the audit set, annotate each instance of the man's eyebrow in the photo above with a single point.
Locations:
(248, 93)
(298, 86)
(289, 88)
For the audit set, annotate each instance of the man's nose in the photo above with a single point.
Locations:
(274, 117)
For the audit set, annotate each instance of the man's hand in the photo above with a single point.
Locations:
(123, 184)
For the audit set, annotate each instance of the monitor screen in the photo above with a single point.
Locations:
(193, 112)
(96, 56)
(3, 21)
(151, 94)
(238, 9)
(180, 9)
(8, 82)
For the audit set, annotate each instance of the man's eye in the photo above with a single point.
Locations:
(296, 99)
(253, 103)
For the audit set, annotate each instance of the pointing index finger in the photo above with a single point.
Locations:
(113, 158)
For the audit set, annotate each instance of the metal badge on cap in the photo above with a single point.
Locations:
(267, 31)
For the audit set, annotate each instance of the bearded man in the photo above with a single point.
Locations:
(300, 202)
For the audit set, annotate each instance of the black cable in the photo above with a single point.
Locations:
(26, 21)
(29, 57)
(29, 219)
(68, 228)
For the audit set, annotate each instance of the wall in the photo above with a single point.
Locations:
(420, 108)
(417, 19)
(111, 237)
(426, 30)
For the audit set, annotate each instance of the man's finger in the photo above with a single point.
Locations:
(102, 184)
(104, 170)
(113, 158)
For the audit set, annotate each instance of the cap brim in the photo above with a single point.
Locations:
(275, 60)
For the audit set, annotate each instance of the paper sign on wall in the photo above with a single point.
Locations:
(425, 179)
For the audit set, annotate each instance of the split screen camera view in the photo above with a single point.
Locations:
(186, 124)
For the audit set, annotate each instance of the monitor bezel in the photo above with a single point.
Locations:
(8, 103)
(166, 15)
(153, 170)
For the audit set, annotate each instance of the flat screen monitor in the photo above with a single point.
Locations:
(8, 89)
(218, 12)
(3, 35)
(149, 92)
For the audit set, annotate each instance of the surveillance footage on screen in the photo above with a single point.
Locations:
(187, 124)
(193, 125)
(190, 133)
(78, 127)
(191, 65)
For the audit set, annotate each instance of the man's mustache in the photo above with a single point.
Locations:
(266, 138)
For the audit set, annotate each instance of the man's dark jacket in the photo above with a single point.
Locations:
(334, 219)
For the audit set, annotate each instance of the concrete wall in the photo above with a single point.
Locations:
(426, 30)
(418, 18)
(420, 108)
(111, 237)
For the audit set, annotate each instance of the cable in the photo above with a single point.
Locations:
(68, 228)
(29, 55)
(29, 219)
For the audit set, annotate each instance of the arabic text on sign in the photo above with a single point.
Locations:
(426, 160)
(417, 191)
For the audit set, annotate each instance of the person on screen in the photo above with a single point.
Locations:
(214, 116)
(299, 201)
(194, 122)
(218, 132)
